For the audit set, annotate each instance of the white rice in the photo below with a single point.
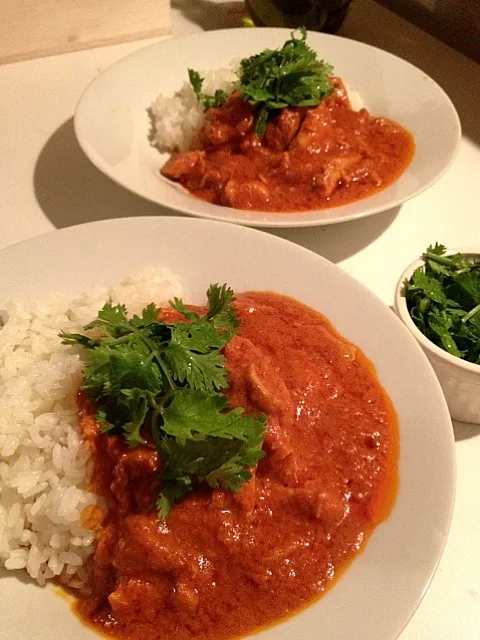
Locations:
(44, 465)
(175, 119)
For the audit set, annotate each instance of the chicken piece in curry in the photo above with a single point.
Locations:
(224, 564)
(308, 158)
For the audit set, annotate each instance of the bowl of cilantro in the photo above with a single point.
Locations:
(438, 299)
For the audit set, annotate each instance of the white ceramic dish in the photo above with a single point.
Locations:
(376, 596)
(460, 380)
(112, 125)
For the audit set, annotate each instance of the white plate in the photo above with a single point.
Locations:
(377, 595)
(112, 124)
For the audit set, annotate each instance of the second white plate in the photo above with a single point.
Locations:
(112, 124)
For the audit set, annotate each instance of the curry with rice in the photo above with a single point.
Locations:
(287, 139)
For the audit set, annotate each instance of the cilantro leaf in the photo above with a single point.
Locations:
(137, 400)
(430, 287)
(110, 318)
(440, 323)
(78, 338)
(465, 288)
(219, 98)
(232, 475)
(132, 367)
(193, 353)
(179, 306)
(437, 249)
(196, 81)
(235, 472)
(221, 311)
(152, 380)
(291, 76)
(149, 316)
(96, 371)
(195, 414)
(172, 491)
(443, 298)
(219, 449)
(195, 457)
(261, 119)
(200, 336)
(101, 418)
(208, 101)
(198, 370)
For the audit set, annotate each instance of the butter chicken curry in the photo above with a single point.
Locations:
(224, 563)
(308, 158)
(287, 138)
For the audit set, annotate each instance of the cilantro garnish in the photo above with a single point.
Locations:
(288, 77)
(208, 101)
(443, 298)
(291, 76)
(162, 382)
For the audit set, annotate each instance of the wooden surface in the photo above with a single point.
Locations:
(36, 28)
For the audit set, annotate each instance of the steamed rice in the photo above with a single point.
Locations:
(44, 465)
(175, 119)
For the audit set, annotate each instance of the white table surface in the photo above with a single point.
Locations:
(46, 183)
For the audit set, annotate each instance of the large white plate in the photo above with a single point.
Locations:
(379, 592)
(112, 124)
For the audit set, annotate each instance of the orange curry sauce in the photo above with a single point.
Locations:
(224, 564)
(308, 159)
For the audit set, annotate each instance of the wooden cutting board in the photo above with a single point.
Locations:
(36, 28)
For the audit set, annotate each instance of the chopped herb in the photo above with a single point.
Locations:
(208, 101)
(443, 298)
(291, 76)
(162, 382)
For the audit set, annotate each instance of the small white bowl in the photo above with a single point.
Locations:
(460, 380)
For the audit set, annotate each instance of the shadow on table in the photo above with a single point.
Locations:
(465, 430)
(70, 190)
(339, 241)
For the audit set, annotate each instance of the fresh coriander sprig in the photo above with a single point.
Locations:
(291, 76)
(165, 380)
(443, 298)
(208, 101)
